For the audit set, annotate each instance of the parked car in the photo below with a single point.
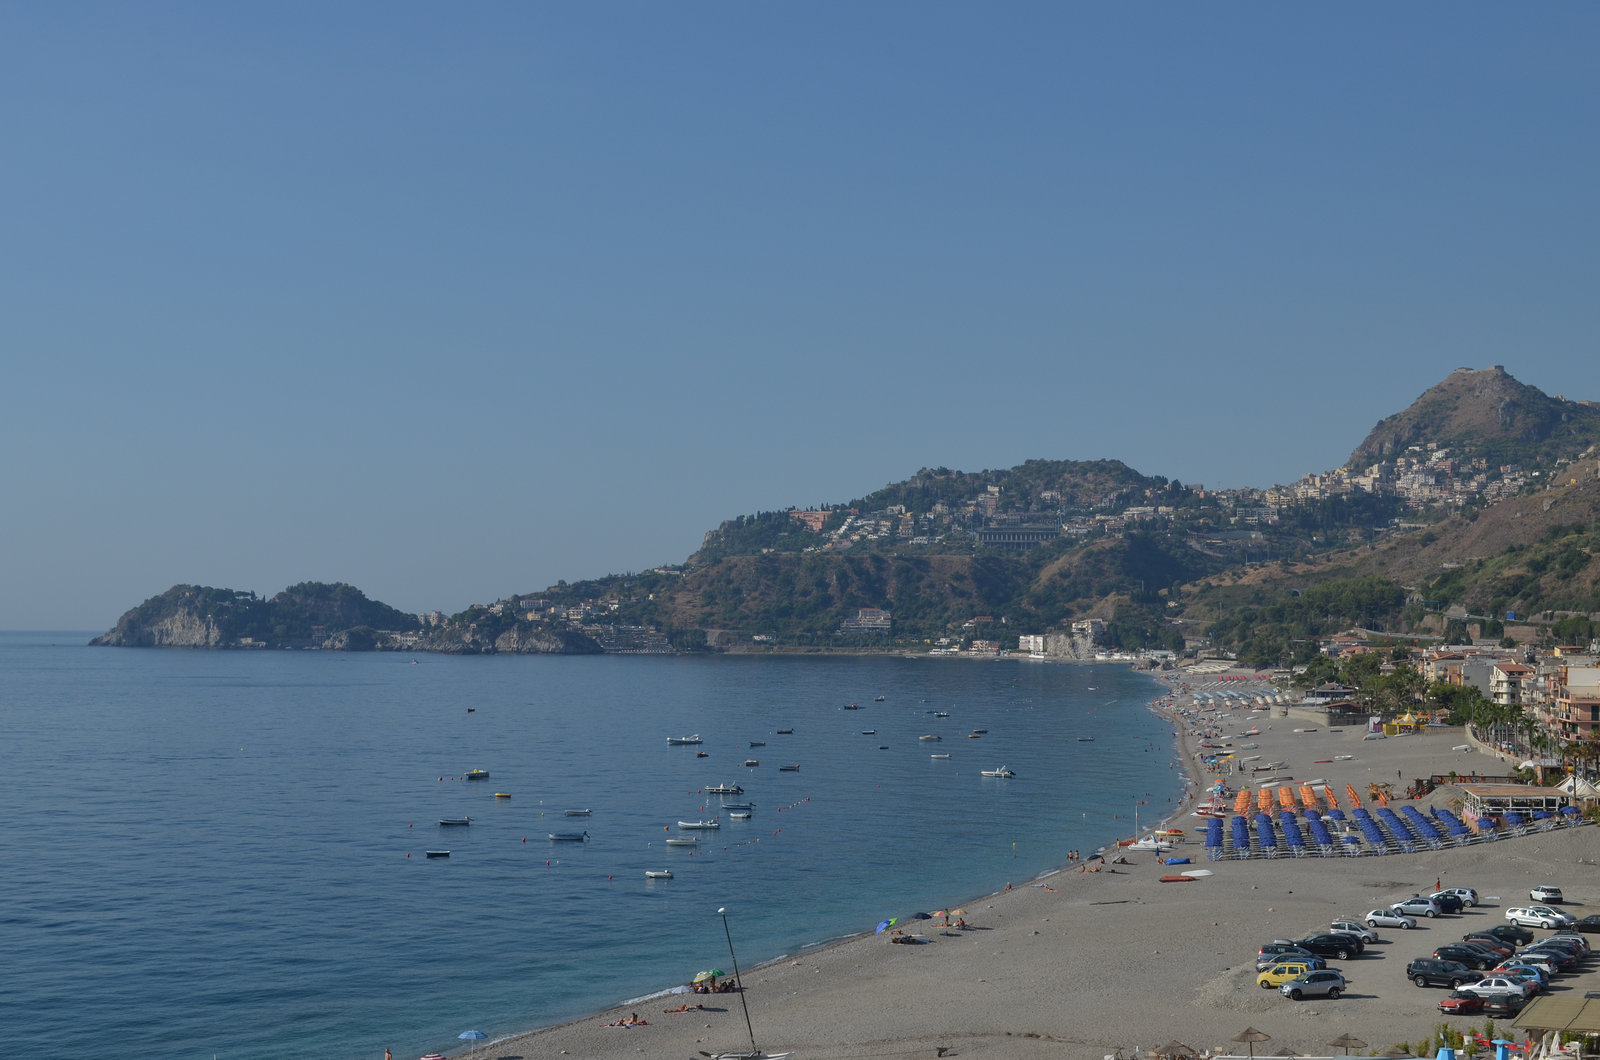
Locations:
(1514, 933)
(1545, 962)
(1523, 972)
(1417, 906)
(1342, 947)
(1325, 983)
(1431, 971)
(1574, 938)
(1499, 984)
(1503, 1004)
(1272, 952)
(1456, 1003)
(1539, 916)
(1354, 927)
(1494, 942)
(1468, 896)
(1590, 923)
(1545, 893)
(1447, 902)
(1390, 918)
(1495, 954)
(1467, 955)
(1284, 971)
(1558, 958)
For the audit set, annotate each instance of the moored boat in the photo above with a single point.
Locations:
(502, 794)
(789, 769)
(662, 874)
(568, 837)
(476, 774)
(1001, 772)
(684, 741)
(683, 841)
(742, 815)
(930, 736)
(453, 822)
(577, 813)
(785, 732)
(725, 789)
(438, 853)
(701, 825)
(752, 762)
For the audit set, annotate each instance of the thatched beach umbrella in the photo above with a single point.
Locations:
(1348, 1042)
(1397, 1052)
(1174, 1050)
(1251, 1036)
(1286, 1051)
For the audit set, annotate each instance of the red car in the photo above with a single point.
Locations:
(1459, 1004)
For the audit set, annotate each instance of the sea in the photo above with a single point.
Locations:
(223, 854)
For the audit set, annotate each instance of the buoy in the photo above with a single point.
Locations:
(408, 855)
(524, 839)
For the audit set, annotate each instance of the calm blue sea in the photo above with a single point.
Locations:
(222, 853)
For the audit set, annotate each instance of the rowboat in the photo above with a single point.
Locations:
(438, 853)
(683, 841)
(938, 756)
(653, 874)
(568, 837)
(690, 825)
(451, 822)
(577, 813)
(789, 769)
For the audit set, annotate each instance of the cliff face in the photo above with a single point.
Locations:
(185, 629)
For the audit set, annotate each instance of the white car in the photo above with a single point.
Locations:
(1361, 931)
(1545, 894)
(1539, 916)
(1468, 896)
(1389, 918)
(1425, 906)
(1492, 985)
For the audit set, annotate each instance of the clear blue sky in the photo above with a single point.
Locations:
(450, 301)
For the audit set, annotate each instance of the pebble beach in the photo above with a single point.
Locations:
(1098, 959)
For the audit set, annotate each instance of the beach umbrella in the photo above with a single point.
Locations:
(921, 916)
(885, 925)
(1286, 1051)
(1251, 1036)
(1348, 1042)
(472, 1036)
(709, 973)
(1174, 1049)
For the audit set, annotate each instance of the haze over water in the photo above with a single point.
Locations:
(222, 853)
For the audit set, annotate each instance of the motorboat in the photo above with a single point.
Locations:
(683, 841)
(1086, 739)
(751, 762)
(851, 706)
(702, 825)
(742, 815)
(980, 732)
(701, 754)
(577, 813)
(684, 741)
(455, 822)
(938, 756)
(974, 735)
(502, 794)
(758, 743)
(568, 837)
(789, 769)
(1001, 772)
(476, 774)
(785, 732)
(737, 807)
(877, 699)
(725, 789)
(1150, 842)
(930, 736)
(438, 853)
(663, 874)
(941, 713)
(869, 732)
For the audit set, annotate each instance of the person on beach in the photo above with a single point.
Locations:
(387, 1055)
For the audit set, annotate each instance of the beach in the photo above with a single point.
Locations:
(1086, 964)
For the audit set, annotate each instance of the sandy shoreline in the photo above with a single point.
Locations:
(1082, 964)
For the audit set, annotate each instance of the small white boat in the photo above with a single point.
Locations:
(869, 732)
(1086, 739)
(683, 841)
(930, 736)
(688, 826)
(663, 874)
(455, 822)
(438, 853)
(684, 741)
(938, 756)
(725, 789)
(752, 762)
(742, 815)
(1001, 772)
(568, 837)
(736, 807)
(577, 813)
(941, 713)
(476, 774)
(1150, 842)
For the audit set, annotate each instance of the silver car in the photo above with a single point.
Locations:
(1389, 918)
(1326, 983)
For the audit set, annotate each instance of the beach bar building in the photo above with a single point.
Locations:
(1522, 800)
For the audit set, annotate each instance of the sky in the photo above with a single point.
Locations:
(453, 301)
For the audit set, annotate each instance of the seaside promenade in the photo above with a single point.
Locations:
(1095, 963)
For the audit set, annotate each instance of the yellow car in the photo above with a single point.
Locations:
(1281, 973)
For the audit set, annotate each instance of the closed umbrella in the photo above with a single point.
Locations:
(472, 1036)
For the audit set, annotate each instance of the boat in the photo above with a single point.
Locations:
(877, 699)
(742, 815)
(980, 732)
(691, 825)
(738, 807)
(751, 762)
(1086, 739)
(941, 713)
(502, 794)
(851, 706)
(1001, 772)
(1149, 842)
(568, 837)
(451, 822)
(930, 737)
(938, 756)
(785, 732)
(725, 789)
(577, 813)
(663, 874)
(789, 769)
(758, 743)
(476, 774)
(684, 741)
(438, 853)
(974, 736)
(701, 754)
(683, 841)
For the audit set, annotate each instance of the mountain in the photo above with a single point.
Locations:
(1489, 412)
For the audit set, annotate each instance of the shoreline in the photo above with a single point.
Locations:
(1057, 966)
